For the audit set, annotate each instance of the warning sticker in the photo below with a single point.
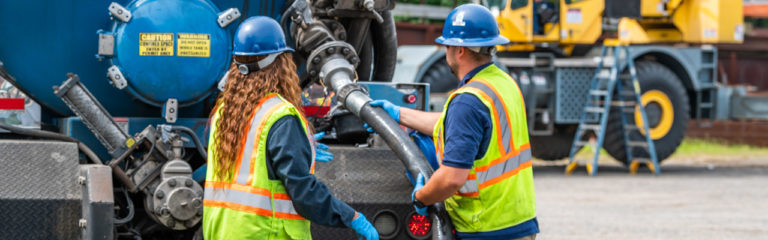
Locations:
(155, 44)
(194, 45)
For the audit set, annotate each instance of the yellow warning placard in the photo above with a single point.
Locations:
(155, 44)
(193, 45)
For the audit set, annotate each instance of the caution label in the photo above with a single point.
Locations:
(155, 44)
(194, 45)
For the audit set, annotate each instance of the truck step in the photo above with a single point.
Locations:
(581, 143)
(623, 103)
(642, 160)
(637, 144)
(598, 92)
(594, 109)
(593, 127)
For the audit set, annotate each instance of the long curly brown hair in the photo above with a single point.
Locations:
(238, 102)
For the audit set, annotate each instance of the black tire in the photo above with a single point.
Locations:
(652, 76)
(440, 77)
(554, 147)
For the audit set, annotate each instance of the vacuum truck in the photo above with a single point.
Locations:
(115, 105)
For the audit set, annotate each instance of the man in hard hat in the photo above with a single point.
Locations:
(481, 137)
(259, 182)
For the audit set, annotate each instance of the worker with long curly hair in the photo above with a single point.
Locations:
(259, 182)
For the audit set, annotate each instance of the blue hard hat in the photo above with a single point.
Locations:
(471, 25)
(259, 35)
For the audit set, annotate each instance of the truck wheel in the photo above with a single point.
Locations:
(440, 77)
(666, 106)
(554, 147)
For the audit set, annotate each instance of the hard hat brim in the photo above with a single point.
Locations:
(285, 49)
(472, 42)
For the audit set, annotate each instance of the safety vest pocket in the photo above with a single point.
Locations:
(465, 213)
(297, 229)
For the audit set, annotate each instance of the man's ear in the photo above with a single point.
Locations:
(460, 51)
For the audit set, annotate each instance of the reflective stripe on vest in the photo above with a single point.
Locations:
(244, 167)
(241, 195)
(499, 112)
(511, 162)
(485, 176)
(249, 199)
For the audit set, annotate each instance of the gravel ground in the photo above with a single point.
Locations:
(694, 198)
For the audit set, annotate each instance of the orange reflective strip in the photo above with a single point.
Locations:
(495, 116)
(440, 143)
(503, 158)
(471, 194)
(238, 187)
(238, 207)
(249, 209)
(288, 216)
(283, 196)
(506, 175)
(245, 135)
(504, 105)
(242, 148)
(256, 140)
(472, 176)
(311, 139)
(506, 111)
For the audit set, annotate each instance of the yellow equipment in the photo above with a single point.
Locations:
(554, 51)
(639, 21)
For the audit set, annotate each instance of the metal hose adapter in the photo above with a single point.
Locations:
(331, 61)
(93, 115)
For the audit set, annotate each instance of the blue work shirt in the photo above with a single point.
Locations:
(290, 163)
(465, 118)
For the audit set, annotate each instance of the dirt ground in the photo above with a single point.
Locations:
(694, 198)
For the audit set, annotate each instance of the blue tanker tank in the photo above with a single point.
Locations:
(133, 55)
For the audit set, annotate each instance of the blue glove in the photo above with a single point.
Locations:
(320, 154)
(419, 185)
(392, 109)
(368, 128)
(364, 228)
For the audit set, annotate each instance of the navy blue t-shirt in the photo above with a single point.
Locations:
(467, 116)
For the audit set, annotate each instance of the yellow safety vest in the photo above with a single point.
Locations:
(250, 205)
(499, 192)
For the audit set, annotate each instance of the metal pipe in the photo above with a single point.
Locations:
(124, 178)
(338, 74)
(93, 115)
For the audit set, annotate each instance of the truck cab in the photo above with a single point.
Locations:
(549, 21)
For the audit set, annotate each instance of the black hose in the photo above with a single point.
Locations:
(129, 217)
(414, 161)
(396, 138)
(56, 136)
(384, 39)
(193, 135)
(285, 24)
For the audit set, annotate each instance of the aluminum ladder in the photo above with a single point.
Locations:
(606, 82)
